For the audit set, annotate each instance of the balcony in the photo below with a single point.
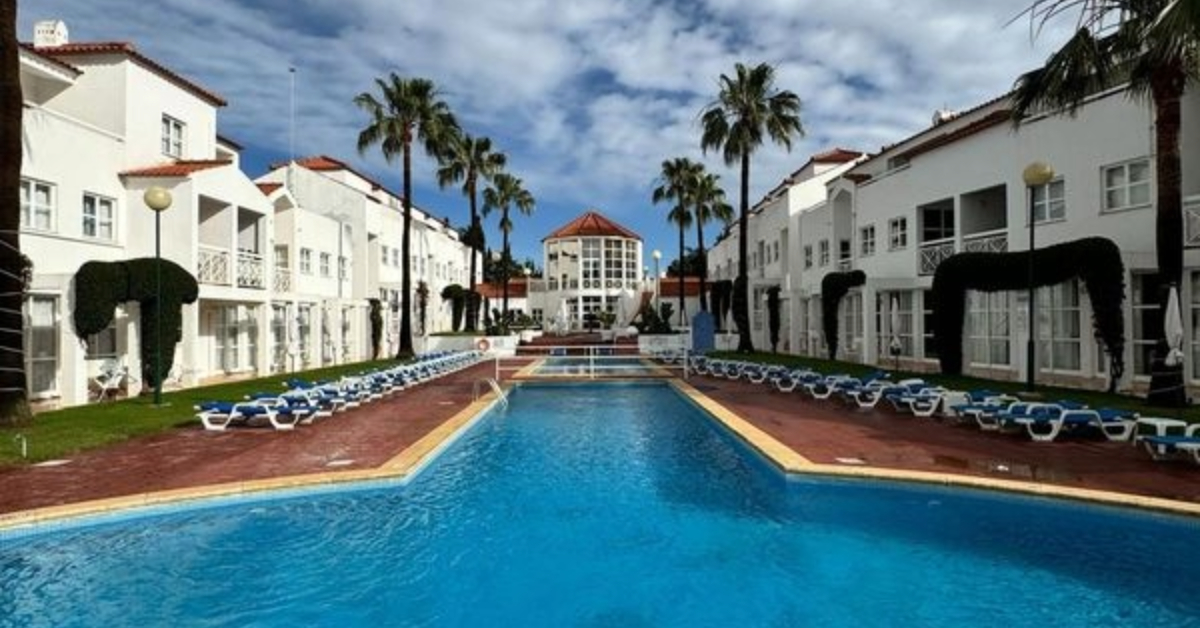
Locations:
(282, 279)
(1191, 221)
(214, 266)
(933, 253)
(845, 265)
(995, 241)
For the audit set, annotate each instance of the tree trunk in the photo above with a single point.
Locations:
(682, 316)
(406, 340)
(504, 275)
(14, 400)
(476, 231)
(1167, 387)
(703, 260)
(741, 287)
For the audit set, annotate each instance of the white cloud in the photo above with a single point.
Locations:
(587, 97)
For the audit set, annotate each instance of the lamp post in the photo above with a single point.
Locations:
(1036, 175)
(657, 254)
(158, 199)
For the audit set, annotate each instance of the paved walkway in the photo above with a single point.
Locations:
(822, 431)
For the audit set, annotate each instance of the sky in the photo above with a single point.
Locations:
(585, 97)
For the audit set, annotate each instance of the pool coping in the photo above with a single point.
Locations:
(790, 461)
(416, 456)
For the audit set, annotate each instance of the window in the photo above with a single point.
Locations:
(897, 234)
(304, 321)
(928, 343)
(343, 267)
(808, 256)
(850, 327)
(823, 251)
(281, 257)
(396, 257)
(306, 261)
(987, 324)
(97, 217)
(1147, 320)
(866, 241)
(103, 344)
(384, 255)
(41, 345)
(325, 259)
(591, 263)
(279, 344)
(1049, 201)
(775, 251)
(1059, 326)
(1127, 186)
(37, 205)
(172, 137)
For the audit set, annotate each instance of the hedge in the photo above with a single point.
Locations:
(101, 286)
(834, 286)
(1095, 261)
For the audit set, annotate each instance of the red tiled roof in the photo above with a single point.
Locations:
(836, 156)
(268, 188)
(1000, 116)
(517, 289)
(51, 60)
(669, 287)
(592, 224)
(123, 47)
(181, 168)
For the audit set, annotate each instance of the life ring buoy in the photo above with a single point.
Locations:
(483, 345)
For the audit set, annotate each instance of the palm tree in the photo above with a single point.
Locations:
(747, 111)
(708, 199)
(677, 183)
(506, 191)
(406, 109)
(14, 401)
(468, 159)
(1152, 44)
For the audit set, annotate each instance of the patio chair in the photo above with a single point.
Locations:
(1168, 447)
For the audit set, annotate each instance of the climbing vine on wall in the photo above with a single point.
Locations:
(101, 286)
(1095, 261)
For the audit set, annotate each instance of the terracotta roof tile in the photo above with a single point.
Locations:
(49, 59)
(517, 289)
(325, 163)
(268, 188)
(181, 168)
(669, 287)
(837, 156)
(82, 49)
(591, 224)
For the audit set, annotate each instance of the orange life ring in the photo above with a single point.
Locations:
(483, 344)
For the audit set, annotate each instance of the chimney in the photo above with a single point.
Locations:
(49, 33)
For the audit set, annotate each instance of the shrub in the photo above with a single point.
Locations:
(834, 286)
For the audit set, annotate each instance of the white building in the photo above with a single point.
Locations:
(103, 123)
(957, 186)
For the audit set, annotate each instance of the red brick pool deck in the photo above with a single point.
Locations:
(824, 432)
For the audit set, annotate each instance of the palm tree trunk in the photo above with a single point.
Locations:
(1169, 224)
(504, 274)
(703, 260)
(406, 340)
(682, 318)
(476, 247)
(741, 286)
(14, 401)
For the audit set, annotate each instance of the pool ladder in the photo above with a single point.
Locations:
(494, 386)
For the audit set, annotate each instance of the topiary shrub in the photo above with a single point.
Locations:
(722, 300)
(376, 316)
(1095, 261)
(454, 294)
(101, 286)
(773, 317)
(834, 286)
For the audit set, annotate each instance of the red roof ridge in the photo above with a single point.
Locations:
(179, 168)
(325, 163)
(268, 188)
(592, 223)
(127, 48)
(30, 48)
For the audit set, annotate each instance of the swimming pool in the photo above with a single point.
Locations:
(612, 505)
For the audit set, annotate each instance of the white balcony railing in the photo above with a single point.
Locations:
(934, 253)
(1191, 221)
(845, 265)
(212, 265)
(282, 279)
(986, 242)
(251, 270)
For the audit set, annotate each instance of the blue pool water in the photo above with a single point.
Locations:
(620, 506)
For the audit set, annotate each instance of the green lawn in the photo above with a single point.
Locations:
(1094, 399)
(62, 432)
